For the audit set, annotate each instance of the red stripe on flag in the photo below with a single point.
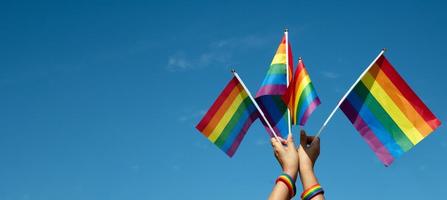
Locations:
(217, 104)
(290, 96)
(290, 60)
(408, 93)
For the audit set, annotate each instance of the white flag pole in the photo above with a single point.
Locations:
(256, 105)
(346, 94)
(286, 33)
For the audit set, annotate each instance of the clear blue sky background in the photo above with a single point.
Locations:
(99, 99)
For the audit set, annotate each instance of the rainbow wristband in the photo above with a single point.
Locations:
(312, 191)
(290, 183)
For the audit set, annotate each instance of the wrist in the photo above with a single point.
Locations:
(288, 181)
(308, 178)
(306, 169)
(312, 191)
(291, 172)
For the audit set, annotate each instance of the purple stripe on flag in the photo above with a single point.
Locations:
(379, 149)
(309, 110)
(272, 90)
(241, 134)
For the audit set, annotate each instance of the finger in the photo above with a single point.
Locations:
(303, 138)
(309, 139)
(282, 141)
(316, 142)
(272, 140)
(290, 142)
(312, 140)
(277, 146)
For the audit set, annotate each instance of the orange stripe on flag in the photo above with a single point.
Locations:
(400, 100)
(227, 103)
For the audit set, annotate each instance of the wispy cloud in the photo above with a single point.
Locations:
(423, 168)
(191, 115)
(176, 167)
(135, 168)
(330, 75)
(241, 42)
(178, 62)
(219, 52)
(173, 163)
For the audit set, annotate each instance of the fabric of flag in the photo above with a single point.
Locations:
(301, 96)
(274, 86)
(387, 113)
(227, 121)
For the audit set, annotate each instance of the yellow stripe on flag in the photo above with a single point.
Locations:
(222, 109)
(227, 116)
(302, 84)
(403, 104)
(279, 59)
(390, 107)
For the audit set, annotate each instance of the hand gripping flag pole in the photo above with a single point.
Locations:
(346, 94)
(256, 105)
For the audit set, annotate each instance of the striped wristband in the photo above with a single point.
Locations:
(312, 191)
(290, 183)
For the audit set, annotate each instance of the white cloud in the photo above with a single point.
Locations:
(191, 115)
(135, 168)
(178, 62)
(330, 75)
(181, 62)
(218, 53)
(176, 168)
(242, 42)
(423, 168)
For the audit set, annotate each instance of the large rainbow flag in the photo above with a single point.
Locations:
(301, 96)
(231, 115)
(387, 113)
(274, 86)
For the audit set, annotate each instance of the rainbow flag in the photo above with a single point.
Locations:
(387, 113)
(227, 121)
(301, 96)
(274, 86)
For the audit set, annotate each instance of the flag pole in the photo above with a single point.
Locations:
(286, 33)
(346, 94)
(301, 127)
(256, 105)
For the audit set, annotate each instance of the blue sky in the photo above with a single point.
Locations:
(100, 99)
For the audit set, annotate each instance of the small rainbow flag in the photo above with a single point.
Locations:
(387, 113)
(274, 86)
(231, 115)
(301, 96)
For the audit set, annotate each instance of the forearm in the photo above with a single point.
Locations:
(280, 192)
(308, 179)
